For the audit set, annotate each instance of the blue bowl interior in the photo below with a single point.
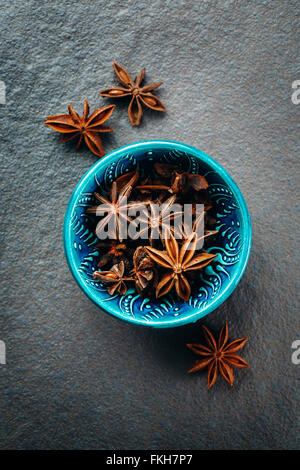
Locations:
(232, 244)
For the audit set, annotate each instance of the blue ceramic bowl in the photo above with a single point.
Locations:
(216, 281)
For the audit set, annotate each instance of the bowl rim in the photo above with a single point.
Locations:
(197, 314)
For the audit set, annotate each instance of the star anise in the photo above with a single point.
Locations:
(177, 262)
(84, 127)
(219, 356)
(136, 91)
(129, 178)
(156, 219)
(144, 271)
(184, 231)
(180, 182)
(116, 208)
(114, 252)
(114, 278)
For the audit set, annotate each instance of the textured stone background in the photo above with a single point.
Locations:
(75, 377)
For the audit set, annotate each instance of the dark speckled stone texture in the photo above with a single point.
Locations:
(75, 377)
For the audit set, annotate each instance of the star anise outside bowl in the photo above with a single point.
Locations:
(210, 288)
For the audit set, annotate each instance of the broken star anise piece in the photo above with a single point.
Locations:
(177, 262)
(137, 93)
(84, 127)
(129, 178)
(114, 252)
(114, 278)
(180, 182)
(219, 356)
(144, 270)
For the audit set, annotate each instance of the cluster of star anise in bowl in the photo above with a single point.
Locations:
(165, 253)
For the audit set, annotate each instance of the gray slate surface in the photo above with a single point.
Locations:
(75, 377)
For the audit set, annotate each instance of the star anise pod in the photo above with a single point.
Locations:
(84, 127)
(156, 219)
(144, 270)
(129, 178)
(180, 182)
(177, 262)
(116, 208)
(137, 93)
(219, 355)
(199, 225)
(114, 252)
(114, 278)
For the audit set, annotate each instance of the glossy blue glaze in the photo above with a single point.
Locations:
(216, 282)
